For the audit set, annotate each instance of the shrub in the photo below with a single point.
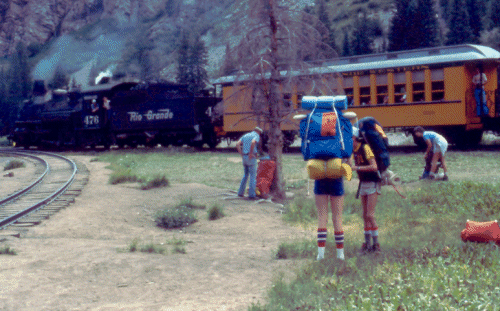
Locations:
(146, 248)
(6, 250)
(215, 212)
(13, 164)
(176, 217)
(122, 176)
(178, 246)
(188, 203)
(157, 182)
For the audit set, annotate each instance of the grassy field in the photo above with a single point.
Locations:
(423, 265)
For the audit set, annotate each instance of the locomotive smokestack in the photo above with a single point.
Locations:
(39, 88)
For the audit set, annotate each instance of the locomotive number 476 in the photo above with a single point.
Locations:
(91, 120)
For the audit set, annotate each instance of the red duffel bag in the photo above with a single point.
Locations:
(482, 232)
(265, 176)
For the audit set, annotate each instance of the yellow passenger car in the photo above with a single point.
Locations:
(429, 87)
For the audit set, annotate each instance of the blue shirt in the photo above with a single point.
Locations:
(433, 137)
(246, 141)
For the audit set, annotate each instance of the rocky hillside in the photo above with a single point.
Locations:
(85, 37)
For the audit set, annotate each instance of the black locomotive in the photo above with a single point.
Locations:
(125, 113)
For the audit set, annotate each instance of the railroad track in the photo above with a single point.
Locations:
(59, 180)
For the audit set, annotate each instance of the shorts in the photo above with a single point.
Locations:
(440, 146)
(370, 187)
(327, 186)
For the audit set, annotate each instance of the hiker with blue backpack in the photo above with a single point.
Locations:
(326, 144)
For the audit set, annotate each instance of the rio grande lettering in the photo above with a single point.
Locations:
(150, 115)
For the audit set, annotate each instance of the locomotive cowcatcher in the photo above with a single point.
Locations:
(123, 113)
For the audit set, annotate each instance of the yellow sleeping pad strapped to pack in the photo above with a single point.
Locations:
(333, 168)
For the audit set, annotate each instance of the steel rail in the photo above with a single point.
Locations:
(32, 185)
(38, 205)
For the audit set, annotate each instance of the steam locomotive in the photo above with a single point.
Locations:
(120, 113)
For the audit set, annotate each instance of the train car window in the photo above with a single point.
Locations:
(364, 90)
(418, 79)
(299, 100)
(400, 87)
(349, 90)
(287, 100)
(258, 103)
(382, 89)
(437, 84)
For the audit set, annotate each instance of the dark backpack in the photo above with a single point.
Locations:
(372, 132)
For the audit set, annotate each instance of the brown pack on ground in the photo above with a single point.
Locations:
(482, 232)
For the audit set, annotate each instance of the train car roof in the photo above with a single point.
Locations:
(427, 56)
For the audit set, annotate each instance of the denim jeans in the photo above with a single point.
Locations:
(480, 96)
(249, 170)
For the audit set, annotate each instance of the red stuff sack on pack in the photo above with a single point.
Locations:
(481, 232)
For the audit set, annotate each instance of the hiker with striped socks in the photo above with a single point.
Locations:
(369, 189)
(330, 191)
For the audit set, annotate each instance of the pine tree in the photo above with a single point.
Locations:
(183, 60)
(475, 22)
(413, 26)
(229, 66)
(191, 62)
(460, 30)
(322, 13)
(493, 14)
(400, 26)
(198, 76)
(427, 24)
(346, 45)
(19, 74)
(361, 37)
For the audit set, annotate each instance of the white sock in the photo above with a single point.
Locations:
(321, 253)
(340, 253)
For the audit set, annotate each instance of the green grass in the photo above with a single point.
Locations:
(178, 247)
(183, 165)
(423, 265)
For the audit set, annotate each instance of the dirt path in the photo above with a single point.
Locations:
(76, 259)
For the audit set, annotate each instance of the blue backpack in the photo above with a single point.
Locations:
(325, 132)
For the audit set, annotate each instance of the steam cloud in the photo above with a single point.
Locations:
(78, 57)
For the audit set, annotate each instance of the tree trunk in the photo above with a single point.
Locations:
(275, 101)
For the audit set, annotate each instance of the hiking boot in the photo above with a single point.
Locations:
(365, 249)
(376, 248)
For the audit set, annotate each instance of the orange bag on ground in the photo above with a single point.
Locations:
(265, 176)
(482, 232)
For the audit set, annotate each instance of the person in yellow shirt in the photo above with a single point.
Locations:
(364, 163)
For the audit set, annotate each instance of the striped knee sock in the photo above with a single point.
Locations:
(339, 242)
(322, 233)
(375, 235)
(368, 236)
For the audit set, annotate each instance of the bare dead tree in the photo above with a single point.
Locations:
(280, 40)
